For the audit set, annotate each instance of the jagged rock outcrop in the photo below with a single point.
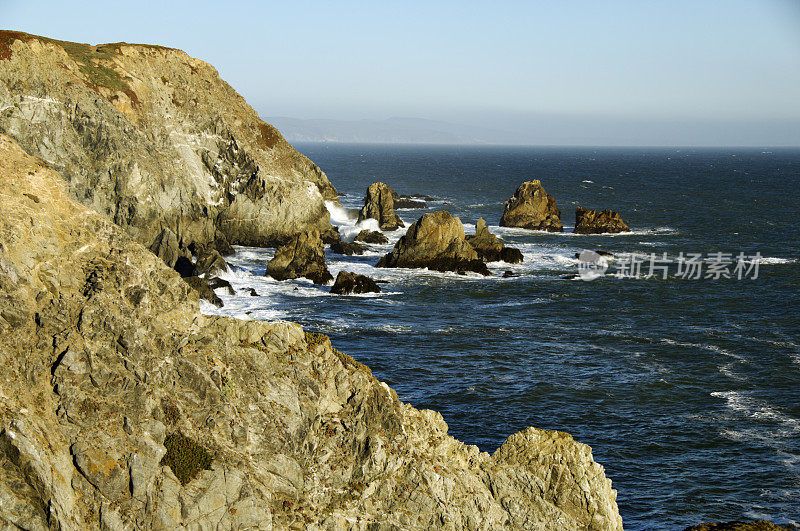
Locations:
(155, 141)
(490, 248)
(598, 222)
(371, 236)
(532, 208)
(348, 283)
(121, 406)
(347, 248)
(379, 205)
(435, 241)
(302, 256)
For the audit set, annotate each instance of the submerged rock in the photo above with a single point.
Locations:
(348, 248)
(409, 201)
(347, 283)
(302, 256)
(435, 241)
(490, 248)
(532, 208)
(598, 222)
(371, 236)
(379, 205)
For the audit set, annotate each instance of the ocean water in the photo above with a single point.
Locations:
(688, 391)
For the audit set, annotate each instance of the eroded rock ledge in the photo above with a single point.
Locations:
(111, 373)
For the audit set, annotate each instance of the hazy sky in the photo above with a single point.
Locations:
(659, 68)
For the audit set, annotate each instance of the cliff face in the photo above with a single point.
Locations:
(122, 406)
(154, 139)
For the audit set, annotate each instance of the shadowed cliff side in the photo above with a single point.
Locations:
(122, 406)
(154, 139)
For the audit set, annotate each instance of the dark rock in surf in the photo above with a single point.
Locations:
(435, 241)
(348, 248)
(371, 236)
(348, 283)
(598, 222)
(201, 286)
(532, 208)
(302, 256)
(379, 205)
(216, 282)
(490, 248)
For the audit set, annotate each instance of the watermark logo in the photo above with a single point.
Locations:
(591, 265)
(687, 266)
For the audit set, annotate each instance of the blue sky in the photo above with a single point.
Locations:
(720, 64)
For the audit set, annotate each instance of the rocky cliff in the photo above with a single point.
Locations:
(154, 139)
(121, 406)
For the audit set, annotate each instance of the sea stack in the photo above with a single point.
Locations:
(301, 256)
(490, 248)
(598, 222)
(379, 205)
(436, 241)
(532, 208)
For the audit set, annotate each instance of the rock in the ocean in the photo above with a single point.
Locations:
(103, 345)
(348, 248)
(598, 222)
(436, 241)
(210, 262)
(532, 208)
(408, 201)
(302, 256)
(216, 282)
(204, 290)
(490, 248)
(371, 236)
(347, 283)
(379, 205)
(331, 236)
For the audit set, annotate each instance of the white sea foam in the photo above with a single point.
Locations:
(587, 181)
(770, 260)
(746, 406)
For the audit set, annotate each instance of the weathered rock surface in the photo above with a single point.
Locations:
(532, 208)
(490, 248)
(435, 241)
(598, 222)
(371, 236)
(106, 359)
(105, 354)
(154, 140)
(302, 256)
(204, 290)
(347, 248)
(347, 283)
(379, 205)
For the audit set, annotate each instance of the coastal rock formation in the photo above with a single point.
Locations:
(121, 406)
(490, 248)
(598, 222)
(436, 241)
(532, 208)
(302, 256)
(371, 236)
(155, 141)
(379, 205)
(409, 201)
(347, 283)
(347, 248)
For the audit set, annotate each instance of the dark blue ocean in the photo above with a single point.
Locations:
(688, 391)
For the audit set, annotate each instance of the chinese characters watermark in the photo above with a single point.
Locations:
(689, 266)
